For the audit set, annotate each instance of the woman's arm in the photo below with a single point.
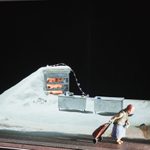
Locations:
(115, 117)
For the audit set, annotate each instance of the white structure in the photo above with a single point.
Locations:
(75, 102)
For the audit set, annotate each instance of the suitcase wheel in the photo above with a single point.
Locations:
(95, 141)
(100, 139)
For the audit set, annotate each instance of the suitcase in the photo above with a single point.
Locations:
(97, 134)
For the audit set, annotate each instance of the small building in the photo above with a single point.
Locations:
(57, 79)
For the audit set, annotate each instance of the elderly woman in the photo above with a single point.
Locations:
(120, 123)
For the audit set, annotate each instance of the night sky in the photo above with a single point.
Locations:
(106, 44)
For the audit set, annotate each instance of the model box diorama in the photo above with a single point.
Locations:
(57, 80)
(43, 100)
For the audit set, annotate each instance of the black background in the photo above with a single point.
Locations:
(105, 43)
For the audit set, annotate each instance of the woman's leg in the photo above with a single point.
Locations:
(117, 133)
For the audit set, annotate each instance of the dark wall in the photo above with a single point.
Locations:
(106, 44)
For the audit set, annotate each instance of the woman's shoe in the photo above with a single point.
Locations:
(119, 142)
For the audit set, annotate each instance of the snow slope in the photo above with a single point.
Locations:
(26, 107)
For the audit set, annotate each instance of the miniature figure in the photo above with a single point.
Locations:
(120, 123)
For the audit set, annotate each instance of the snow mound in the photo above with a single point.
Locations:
(29, 90)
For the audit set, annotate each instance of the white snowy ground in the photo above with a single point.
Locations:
(26, 107)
